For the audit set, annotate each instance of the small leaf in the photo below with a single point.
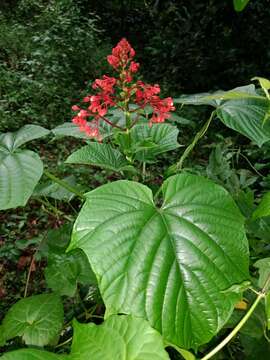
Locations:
(238, 288)
(168, 265)
(184, 353)
(263, 208)
(239, 5)
(264, 270)
(55, 191)
(37, 319)
(58, 239)
(148, 142)
(64, 271)
(102, 155)
(264, 83)
(69, 129)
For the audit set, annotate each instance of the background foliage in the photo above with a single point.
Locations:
(49, 49)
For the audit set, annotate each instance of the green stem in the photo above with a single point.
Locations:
(54, 211)
(143, 170)
(241, 323)
(63, 343)
(64, 184)
(191, 146)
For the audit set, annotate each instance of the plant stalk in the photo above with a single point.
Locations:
(197, 137)
(241, 323)
(143, 170)
(64, 184)
(54, 211)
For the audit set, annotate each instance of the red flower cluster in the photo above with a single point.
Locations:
(113, 92)
(148, 95)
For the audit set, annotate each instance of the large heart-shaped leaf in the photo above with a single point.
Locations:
(38, 319)
(247, 117)
(118, 338)
(241, 109)
(20, 170)
(215, 98)
(148, 142)
(169, 265)
(103, 155)
(12, 141)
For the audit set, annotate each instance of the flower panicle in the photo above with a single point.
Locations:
(114, 91)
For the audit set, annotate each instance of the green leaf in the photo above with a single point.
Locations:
(12, 141)
(239, 5)
(55, 191)
(168, 265)
(20, 171)
(64, 271)
(264, 83)
(118, 338)
(267, 309)
(37, 319)
(181, 120)
(263, 208)
(148, 142)
(215, 98)
(247, 116)
(102, 155)
(264, 270)
(241, 109)
(58, 239)
(184, 353)
(69, 129)
(33, 354)
(238, 288)
(254, 348)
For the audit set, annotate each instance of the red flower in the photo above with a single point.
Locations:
(161, 109)
(121, 54)
(134, 67)
(106, 84)
(100, 104)
(119, 92)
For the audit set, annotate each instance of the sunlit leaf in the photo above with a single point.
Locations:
(169, 264)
